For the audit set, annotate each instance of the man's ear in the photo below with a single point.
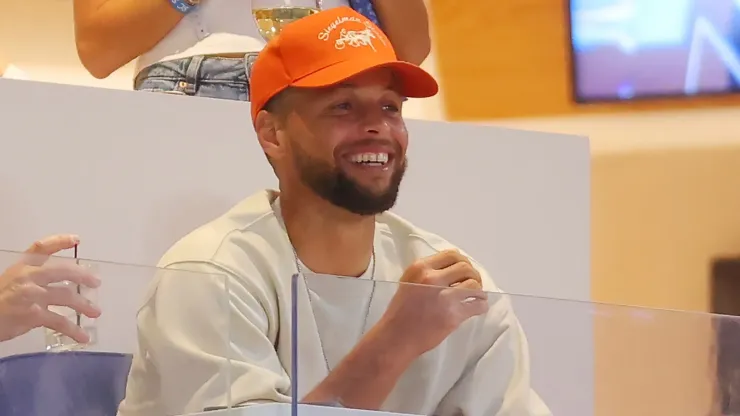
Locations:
(268, 127)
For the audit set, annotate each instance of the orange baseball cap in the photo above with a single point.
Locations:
(326, 48)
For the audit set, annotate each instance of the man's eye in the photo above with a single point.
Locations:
(343, 106)
(392, 108)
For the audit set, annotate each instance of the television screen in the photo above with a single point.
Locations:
(627, 49)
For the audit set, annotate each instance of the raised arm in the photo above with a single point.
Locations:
(111, 33)
(406, 23)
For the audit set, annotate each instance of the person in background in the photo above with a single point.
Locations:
(207, 47)
(25, 292)
(329, 120)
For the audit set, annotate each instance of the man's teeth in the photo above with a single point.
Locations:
(370, 158)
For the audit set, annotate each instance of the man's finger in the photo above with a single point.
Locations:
(64, 326)
(39, 252)
(455, 274)
(474, 307)
(470, 288)
(445, 259)
(64, 272)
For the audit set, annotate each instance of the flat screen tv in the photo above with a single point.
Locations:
(632, 49)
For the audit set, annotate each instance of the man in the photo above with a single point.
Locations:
(25, 292)
(326, 106)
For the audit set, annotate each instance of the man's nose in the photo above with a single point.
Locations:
(376, 123)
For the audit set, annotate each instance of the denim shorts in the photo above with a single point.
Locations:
(199, 76)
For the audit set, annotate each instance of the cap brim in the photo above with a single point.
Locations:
(414, 81)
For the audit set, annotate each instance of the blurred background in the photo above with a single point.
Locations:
(653, 83)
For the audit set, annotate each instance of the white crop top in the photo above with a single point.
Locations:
(215, 27)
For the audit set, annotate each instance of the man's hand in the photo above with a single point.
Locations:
(437, 295)
(26, 292)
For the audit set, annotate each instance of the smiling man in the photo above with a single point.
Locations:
(326, 105)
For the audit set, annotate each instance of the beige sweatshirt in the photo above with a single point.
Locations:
(187, 331)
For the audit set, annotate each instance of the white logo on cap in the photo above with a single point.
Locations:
(353, 38)
(324, 34)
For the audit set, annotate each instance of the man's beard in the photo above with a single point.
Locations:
(338, 188)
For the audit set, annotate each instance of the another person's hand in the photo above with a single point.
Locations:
(441, 292)
(27, 290)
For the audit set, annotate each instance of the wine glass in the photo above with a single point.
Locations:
(272, 15)
(58, 342)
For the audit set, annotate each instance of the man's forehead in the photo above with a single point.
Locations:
(378, 76)
(385, 81)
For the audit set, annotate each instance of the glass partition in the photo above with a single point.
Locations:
(159, 337)
(164, 339)
(426, 350)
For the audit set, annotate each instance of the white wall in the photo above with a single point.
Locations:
(516, 201)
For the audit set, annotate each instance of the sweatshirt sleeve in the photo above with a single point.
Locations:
(497, 381)
(198, 335)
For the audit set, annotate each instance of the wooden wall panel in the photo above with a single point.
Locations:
(511, 58)
(659, 219)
